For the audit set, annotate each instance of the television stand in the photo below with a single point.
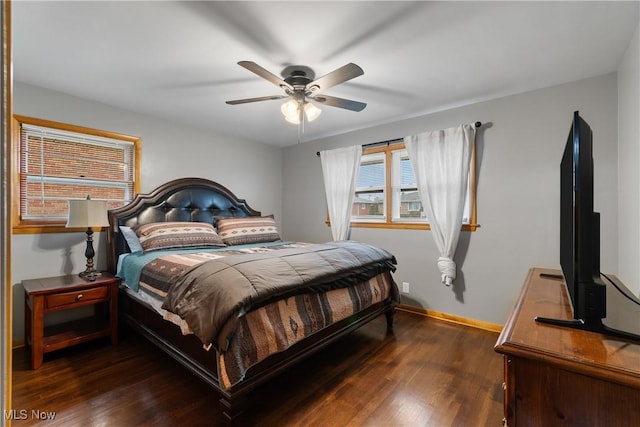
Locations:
(564, 376)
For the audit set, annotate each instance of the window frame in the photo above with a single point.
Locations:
(389, 221)
(31, 226)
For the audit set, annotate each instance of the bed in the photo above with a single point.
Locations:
(231, 301)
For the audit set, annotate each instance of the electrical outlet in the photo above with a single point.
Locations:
(405, 287)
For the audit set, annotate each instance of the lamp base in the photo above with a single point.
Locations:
(90, 275)
(90, 272)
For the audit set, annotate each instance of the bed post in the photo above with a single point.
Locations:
(389, 314)
(232, 408)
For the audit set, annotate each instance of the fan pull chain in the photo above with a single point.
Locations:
(300, 122)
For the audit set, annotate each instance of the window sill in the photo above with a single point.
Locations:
(404, 225)
(49, 228)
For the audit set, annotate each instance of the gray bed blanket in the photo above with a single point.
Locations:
(213, 295)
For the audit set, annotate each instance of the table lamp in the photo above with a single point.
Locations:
(88, 213)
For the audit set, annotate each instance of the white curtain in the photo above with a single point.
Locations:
(440, 162)
(340, 170)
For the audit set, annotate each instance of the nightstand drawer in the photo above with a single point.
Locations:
(83, 296)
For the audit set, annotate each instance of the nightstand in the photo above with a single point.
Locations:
(59, 293)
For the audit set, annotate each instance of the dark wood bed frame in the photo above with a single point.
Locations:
(197, 199)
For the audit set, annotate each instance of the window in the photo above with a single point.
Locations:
(369, 202)
(387, 193)
(405, 198)
(55, 162)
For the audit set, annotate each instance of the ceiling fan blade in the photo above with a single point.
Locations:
(262, 98)
(257, 69)
(339, 102)
(340, 75)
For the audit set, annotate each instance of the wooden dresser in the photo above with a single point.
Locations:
(556, 376)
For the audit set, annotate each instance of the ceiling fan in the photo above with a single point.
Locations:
(298, 84)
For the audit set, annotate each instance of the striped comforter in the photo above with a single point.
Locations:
(273, 327)
(279, 325)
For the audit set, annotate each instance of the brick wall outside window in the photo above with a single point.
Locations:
(58, 162)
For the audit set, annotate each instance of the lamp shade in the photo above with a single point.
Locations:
(290, 108)
(291, 111)
(311, 111)
(87, 213)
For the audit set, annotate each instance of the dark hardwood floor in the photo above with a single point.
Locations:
(427, 373)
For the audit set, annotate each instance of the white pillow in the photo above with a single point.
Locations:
(132, 239)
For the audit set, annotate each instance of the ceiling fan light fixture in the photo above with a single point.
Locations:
(290, 111)
(311, 111)
(299, 84)
(292, 119)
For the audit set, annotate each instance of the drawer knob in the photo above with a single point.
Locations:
(79, 297)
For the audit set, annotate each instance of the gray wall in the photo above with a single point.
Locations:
(252, 171)
(629, 160)
(519, 151)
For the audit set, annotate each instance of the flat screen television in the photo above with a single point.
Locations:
(580, 236)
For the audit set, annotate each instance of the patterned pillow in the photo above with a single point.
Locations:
(173, 235)
(250, 229)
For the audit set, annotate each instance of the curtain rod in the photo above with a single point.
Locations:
(476, 124)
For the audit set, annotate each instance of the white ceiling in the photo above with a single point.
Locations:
(178, 60)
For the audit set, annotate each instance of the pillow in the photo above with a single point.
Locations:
(175, 235)
(132, 239)
(250, 229)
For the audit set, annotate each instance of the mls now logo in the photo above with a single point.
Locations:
(24, 414)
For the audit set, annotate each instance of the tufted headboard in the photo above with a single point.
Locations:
(184, 199)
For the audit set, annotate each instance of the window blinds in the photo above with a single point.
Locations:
(58, 165)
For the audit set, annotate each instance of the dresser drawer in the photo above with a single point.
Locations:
(77, 297)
